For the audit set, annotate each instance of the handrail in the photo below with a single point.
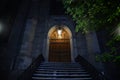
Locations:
(27, 74)
(96, 75)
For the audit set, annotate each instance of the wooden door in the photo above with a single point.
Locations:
(59, 50)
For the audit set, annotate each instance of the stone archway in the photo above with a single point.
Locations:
(59, 48)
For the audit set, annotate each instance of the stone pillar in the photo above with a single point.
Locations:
(81, 45)
(93, 48)
(24, 58)
(14, 42)
(74, 48)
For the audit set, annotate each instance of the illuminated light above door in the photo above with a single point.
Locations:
(59, 31)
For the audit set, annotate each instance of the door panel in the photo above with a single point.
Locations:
(59, 50)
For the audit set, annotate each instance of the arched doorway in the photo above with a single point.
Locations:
(59, 45)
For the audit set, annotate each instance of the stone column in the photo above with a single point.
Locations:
(74, 48)
(14, 42)
(24, 58)
(93, 48)
(81, 45)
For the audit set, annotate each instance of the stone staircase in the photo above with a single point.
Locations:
(60, 71)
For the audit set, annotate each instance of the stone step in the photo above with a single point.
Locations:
(60, 67)
(38, 78)
(44, 72)
(60, 70)
(61, 75)
(59, 63)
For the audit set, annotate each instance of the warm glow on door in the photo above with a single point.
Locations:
(59, 33)
(59, 46)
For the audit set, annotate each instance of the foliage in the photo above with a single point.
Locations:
(108, 57)
(116, 33)
(114, 41)
(112, 55)
(92, 14)
(105, 57)
(117, 60)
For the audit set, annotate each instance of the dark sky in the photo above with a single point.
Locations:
(56, 7)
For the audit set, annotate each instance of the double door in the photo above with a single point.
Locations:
(59, 50)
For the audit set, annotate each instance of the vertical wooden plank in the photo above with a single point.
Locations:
(59, 51)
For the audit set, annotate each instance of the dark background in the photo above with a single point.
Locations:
(8, 12)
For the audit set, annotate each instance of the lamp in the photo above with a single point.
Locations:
(59, 31)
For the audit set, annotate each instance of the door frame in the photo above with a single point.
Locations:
(48, 43)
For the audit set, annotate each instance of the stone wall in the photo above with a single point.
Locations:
(37, 24)
(88, 47)
(81, 45)
(33, 37)
(24, 58)
(16, 35)
(93, 49)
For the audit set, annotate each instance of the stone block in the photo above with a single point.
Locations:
(24, 62)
